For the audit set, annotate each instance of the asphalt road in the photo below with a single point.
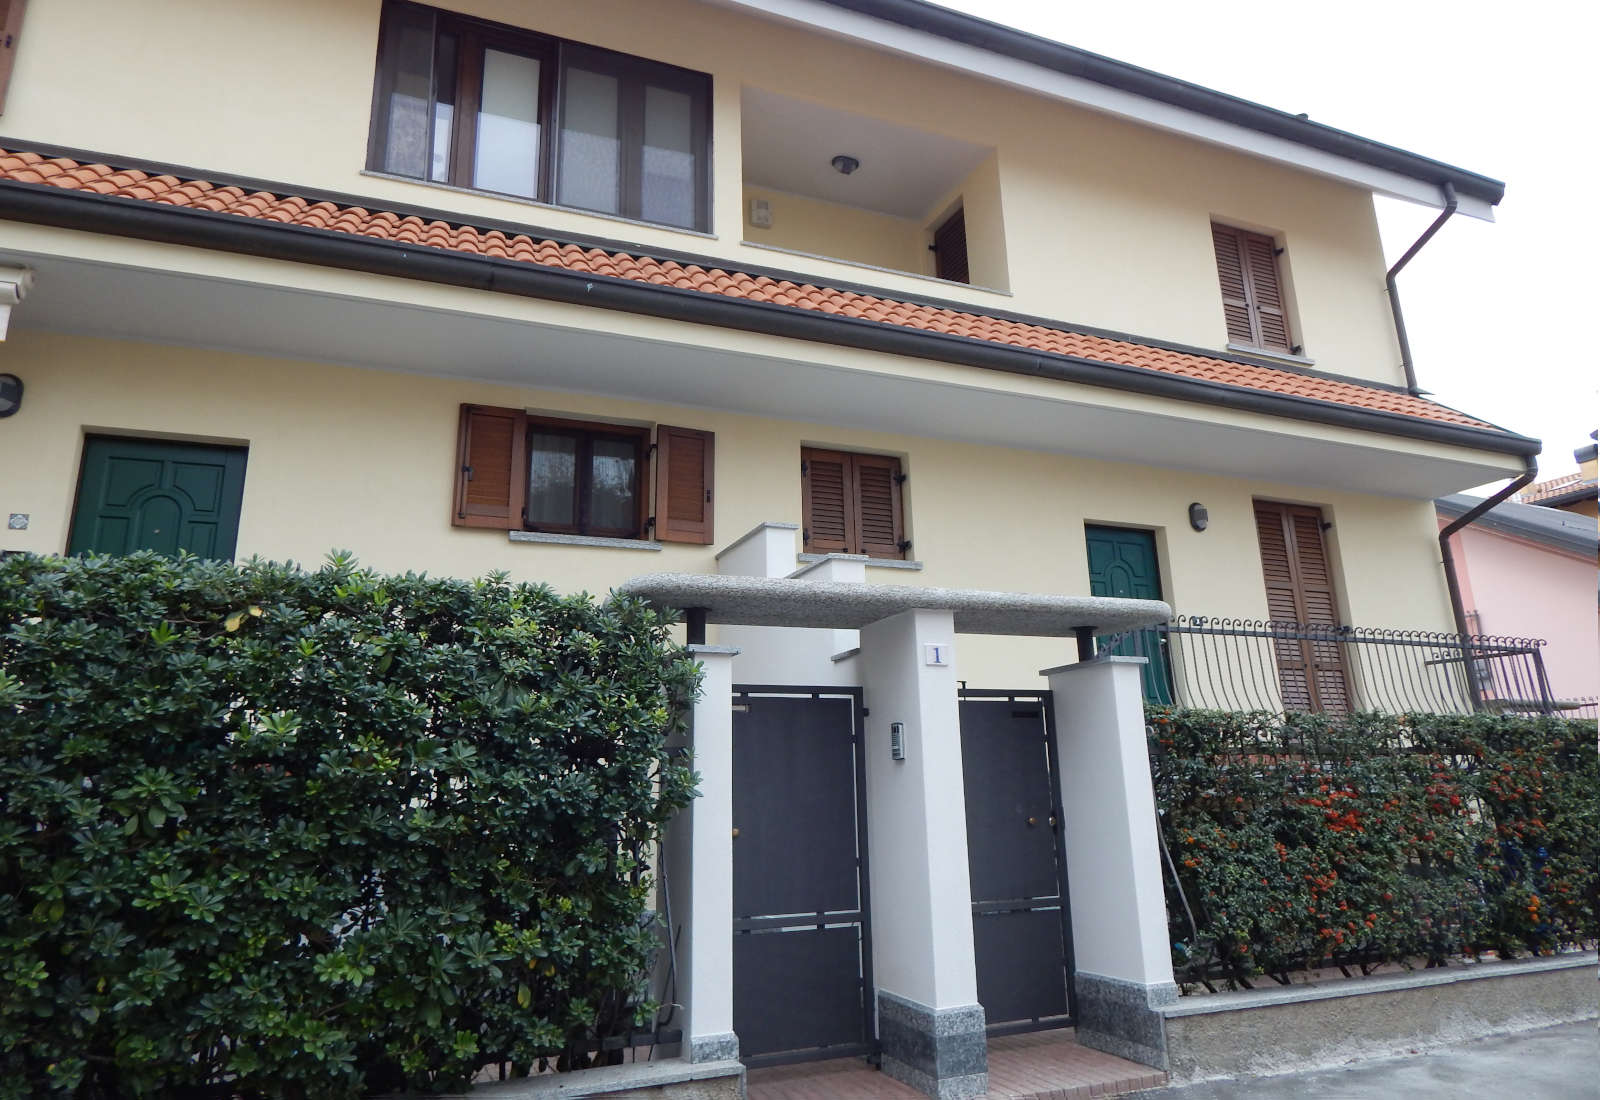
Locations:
(1555, 1063)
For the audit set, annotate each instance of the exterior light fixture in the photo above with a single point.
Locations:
(845, 165)
(1199, 519)
(10, 394)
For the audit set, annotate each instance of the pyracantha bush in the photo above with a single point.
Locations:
(267, 832)
(1301, 840)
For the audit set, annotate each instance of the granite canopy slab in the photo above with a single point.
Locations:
(784, 601)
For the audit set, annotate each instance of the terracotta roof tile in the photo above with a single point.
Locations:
(1555, 487)
(22, 166)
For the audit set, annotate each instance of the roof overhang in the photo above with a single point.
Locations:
(1575, 534)
(116, 288)
(1003, 54)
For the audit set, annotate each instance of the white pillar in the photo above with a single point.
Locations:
(1121, 953)
(699, 871)
(929, 1022)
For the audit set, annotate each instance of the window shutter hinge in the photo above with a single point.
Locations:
(901, 479)
(468, 471)
(653, 448)
(805, 536)
(805, 468)
(903, 545)
(1278, 250)
(650, 524)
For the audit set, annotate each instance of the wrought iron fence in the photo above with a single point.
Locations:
(1245, 664)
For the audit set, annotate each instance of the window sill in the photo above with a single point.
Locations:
(808, 560)
(874, 267)
(584, 540)
(521, 201)
(1281, 356)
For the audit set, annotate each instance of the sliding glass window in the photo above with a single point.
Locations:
(497, 109)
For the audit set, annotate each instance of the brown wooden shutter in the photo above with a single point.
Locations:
(1272, 325)
(1252, 295)
(1235, 296)
(851, 503)
(685, 462)
(827, 499)
(1300, 589)
(491, 468)
(877, 483)
(950, 248)
(11, 12)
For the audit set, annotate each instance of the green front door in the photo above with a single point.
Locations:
(143, 494)
(1123, 563)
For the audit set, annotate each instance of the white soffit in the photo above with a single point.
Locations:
(789, 145)
(166, 307)
(973, 60)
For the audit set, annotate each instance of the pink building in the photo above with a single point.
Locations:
(1527, 571)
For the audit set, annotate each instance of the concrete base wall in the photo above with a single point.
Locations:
(1278, 1031)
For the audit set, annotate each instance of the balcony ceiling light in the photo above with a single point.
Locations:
(844, 165)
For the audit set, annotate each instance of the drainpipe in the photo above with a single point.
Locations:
(1394, 293)
(1449, 561)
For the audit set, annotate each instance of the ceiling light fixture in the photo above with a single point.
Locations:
(845, 165)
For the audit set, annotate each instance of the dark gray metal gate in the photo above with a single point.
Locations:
(801, 947)
(1016, 859)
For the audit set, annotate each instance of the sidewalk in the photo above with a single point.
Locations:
(1555, 1063)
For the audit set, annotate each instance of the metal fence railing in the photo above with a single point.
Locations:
(1244, 664)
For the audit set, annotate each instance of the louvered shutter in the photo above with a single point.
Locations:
(491, 468)
(827, 499)
(950, 248)
(1266, 297)
(11, 12)
(1231, 274)
(685, 462)
(877, 485)
(1252, 294)
(1300, 589)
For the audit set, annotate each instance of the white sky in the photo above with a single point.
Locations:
(1498, 314)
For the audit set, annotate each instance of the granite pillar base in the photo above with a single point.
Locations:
(1123, 1018)
(941, 1052)
(712, 1048)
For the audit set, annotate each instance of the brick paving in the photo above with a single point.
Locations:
(1045, 1065)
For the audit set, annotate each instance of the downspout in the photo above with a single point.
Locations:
(1450, 204)
(1453, 583)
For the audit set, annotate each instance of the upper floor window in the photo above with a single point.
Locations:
(491, 107)
(1252, 292)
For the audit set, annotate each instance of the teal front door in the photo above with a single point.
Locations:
(1123, 563)
(145, 494)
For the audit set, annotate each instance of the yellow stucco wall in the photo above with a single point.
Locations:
(341, 457)
(805, 224)
(1100, 222)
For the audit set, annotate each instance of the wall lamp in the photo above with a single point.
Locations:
(1199, 518)
(10, 394)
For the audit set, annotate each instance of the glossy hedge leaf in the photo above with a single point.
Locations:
(278, 833)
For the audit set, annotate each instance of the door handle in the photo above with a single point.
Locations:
(1032, 821)
(736, 832)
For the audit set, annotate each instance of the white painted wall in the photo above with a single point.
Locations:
(700, 861)
(1119, 911)
(916, 825)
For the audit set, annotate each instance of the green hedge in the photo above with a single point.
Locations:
(270, 832)
(1303, 840)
